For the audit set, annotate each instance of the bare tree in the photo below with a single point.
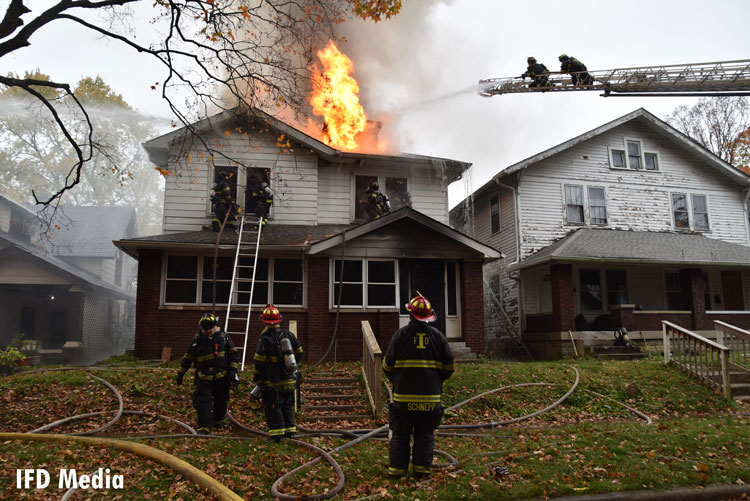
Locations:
(216, 55)
(718, 123)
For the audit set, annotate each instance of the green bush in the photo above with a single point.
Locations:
(9, 358)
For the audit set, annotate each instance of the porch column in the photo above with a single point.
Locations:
(563, 304)
(147, 332)
(472, 305)
(691, 283)
(319, 331)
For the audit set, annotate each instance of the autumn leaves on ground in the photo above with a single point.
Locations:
(586, 445)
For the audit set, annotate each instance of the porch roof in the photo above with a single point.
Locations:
(308, 239)
(640, 247)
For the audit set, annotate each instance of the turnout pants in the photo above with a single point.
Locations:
(210, 400)
(403, 424)
(279, 408)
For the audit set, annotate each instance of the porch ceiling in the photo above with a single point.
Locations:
(641, 247)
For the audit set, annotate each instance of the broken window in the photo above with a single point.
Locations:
(680, 211)
(574, 203)
(288, 282)
(181, 279)
(381, 283)
(254, 177)
(224, 268)
(397, 191)
(351, 283)
(495, 214)
(361, 183)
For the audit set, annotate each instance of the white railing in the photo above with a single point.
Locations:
(372, 368)
(697, 356)
(738, 342)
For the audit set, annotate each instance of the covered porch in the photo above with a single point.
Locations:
(592, 282)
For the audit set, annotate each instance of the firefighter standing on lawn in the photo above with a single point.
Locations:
(216, 364)
(276, 371)
(417, 361)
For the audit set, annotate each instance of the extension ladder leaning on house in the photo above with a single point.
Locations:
(243, 279)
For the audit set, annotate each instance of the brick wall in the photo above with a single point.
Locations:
(563, 307)
(472, 306)
(175, 328)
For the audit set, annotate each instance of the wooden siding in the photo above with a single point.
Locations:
(305, 192)
(636, 200)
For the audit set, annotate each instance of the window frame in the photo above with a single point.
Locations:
(199, 280)
(495, 214)
(382, 179)
(611, 150)
(668, 290)
(601, 291)
(566, 205)
(690, 210)
(589, 205)
(364, 305)
(240, 187)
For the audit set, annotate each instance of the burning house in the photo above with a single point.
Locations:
(316, 223)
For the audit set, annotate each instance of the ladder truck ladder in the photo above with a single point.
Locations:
(243, 278)
(722, 78)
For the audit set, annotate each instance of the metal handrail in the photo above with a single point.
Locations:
(697, 356)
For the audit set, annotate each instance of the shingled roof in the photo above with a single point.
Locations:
(645, 247)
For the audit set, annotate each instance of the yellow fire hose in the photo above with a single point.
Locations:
(183, 468)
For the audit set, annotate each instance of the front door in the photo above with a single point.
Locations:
(427, 276)
(731, 285)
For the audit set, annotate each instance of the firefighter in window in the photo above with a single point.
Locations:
(376, 203)
(216, 364)
(276, 374)
(417, 361)
(222, 202)
(576, 69)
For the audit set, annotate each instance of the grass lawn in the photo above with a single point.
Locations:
(586, 445)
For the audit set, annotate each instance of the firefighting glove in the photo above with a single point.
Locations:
(180, 375)
(234, 380)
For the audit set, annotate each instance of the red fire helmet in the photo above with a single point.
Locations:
(271, 315)
(421, 309)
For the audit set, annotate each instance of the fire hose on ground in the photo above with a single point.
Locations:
(218, 489)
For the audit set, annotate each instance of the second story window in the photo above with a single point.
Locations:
(700, 212)
(597, 205)
(690, 216)
(395, 188)
(495, 214)
(574, 203)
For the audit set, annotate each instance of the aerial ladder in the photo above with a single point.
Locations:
(723, 78)
(243, 279)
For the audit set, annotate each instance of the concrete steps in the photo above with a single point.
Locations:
(616, 352)
(462, 353)
(334, 397)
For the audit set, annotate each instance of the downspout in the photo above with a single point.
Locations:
(747, 215)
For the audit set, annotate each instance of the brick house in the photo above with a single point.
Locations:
(626, 225)
(315, 221)
(73, 295)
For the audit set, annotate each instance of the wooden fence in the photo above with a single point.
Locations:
(698, 356)
(372, 368)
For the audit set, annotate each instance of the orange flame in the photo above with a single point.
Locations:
(335, 98)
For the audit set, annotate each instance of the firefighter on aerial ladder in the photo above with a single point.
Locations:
(576, 69)
(538, 73)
